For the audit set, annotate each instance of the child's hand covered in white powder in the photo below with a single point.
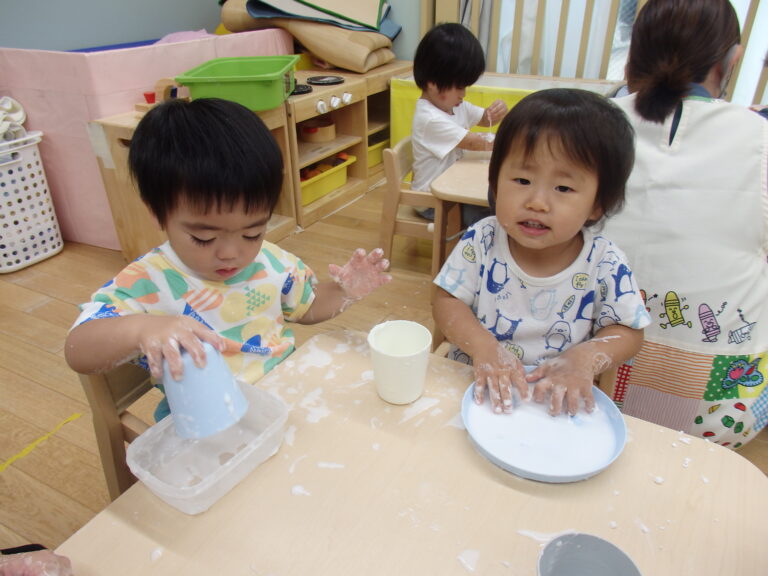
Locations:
(567, 380)
(498, 372)
(362, 274)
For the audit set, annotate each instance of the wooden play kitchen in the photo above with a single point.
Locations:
(349, 154)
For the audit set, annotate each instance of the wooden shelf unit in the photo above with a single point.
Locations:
(137, 231)
(362, 118)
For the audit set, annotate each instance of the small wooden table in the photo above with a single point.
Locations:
(363, 487)
(465, 181)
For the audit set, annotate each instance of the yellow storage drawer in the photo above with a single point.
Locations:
(318, 186)
(375, 153)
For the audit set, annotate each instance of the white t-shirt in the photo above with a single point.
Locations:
(538, 318)
(435, 135)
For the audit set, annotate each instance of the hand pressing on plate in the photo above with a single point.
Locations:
(499, 372)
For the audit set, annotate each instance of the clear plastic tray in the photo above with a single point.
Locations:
(192, 474)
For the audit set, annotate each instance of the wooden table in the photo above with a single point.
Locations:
(465, 181)
(366, 488)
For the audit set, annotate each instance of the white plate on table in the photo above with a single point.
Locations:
(532, 444)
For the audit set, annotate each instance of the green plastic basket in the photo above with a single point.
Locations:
(257, 82)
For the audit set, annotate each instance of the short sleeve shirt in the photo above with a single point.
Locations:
(249, 310)
(538, 318)
(435, 137)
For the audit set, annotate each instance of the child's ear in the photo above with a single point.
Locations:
(596, 214)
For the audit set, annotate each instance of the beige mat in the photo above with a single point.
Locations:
(348, 49)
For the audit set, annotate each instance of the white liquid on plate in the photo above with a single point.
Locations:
(531, 440)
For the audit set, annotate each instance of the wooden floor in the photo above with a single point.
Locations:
(50, 477)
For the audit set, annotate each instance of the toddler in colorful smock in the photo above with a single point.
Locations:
(211, 174)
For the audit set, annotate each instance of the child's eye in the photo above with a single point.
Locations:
(563, 188)
(200, 241)
(253, 238)
(522, 181)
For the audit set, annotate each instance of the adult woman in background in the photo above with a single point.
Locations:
(695, 227)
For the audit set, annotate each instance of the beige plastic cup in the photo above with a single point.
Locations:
(400, 354)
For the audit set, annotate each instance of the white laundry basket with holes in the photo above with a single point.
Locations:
(29, 231)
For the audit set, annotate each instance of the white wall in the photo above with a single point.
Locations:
(76, 24)
(407, 13)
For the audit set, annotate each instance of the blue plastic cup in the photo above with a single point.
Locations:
(206, 400)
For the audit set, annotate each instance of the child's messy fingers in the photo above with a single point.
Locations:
(358, 255)
(334, 270)
(375, 255)
(557, 398)
(153, 351)
(505, 390)
(541, 389)
(494, 393)
(171, 354)
(478, 390)
(520, 383)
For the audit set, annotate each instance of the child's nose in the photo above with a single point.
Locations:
(537, 200)
(227, 250)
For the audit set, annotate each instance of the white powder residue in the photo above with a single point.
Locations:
(643, 528)
(315, 406)
(705, 479)
(685, 440)
(469, 558)
(329, 375)
(613, 524)
(290, 435)
(658, 480)
(292, 468)
(299, 491)
(421, 405)
(367, 376)
(456, 422)
(376, 423)
(341, 348)
(313, 357)
(436, 412)
(686, 462)
(376, 446)
(332, 465)
(542, 537)
(157, 553)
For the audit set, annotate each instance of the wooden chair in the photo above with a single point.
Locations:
(109, 396)
(399, 216)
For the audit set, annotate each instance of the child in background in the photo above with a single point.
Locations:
(211, 174)
(532, 285)
(448, 59)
